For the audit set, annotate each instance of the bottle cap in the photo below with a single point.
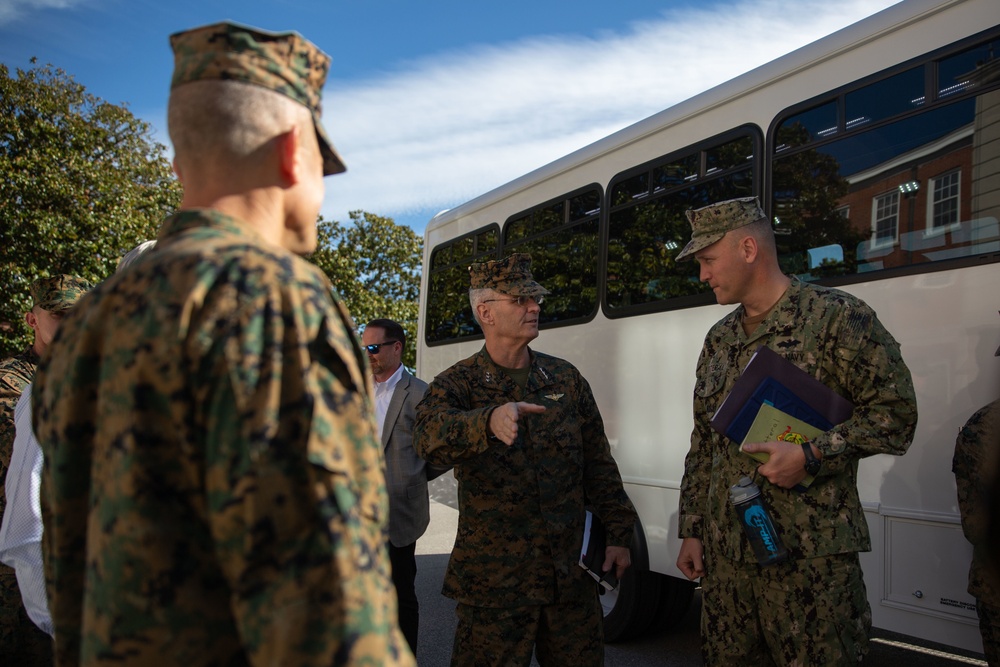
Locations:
(743, 491)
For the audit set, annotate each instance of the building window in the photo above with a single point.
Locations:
(885, 219)
(944, 210)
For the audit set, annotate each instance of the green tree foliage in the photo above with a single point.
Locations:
(375, 266)
(81, 183)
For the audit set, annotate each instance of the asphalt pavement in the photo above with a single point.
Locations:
(675, 646)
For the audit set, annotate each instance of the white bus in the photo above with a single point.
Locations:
(876, 151)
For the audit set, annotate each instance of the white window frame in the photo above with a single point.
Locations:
(932, 200)
(877, 243)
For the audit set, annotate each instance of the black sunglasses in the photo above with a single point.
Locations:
(522, 301)
(375, 347)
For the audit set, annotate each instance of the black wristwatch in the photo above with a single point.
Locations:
(812, 463)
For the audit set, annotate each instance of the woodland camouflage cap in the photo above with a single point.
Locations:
(710, 223)
(284, 62)
(58, 293)
(511, 275)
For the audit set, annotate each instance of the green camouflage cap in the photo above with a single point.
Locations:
(284, 62)
(710, 223)
(511, 275)
(58, 293)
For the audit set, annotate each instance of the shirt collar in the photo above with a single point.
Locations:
(391, 383)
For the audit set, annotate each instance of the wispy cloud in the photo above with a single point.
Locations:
(11, 10)
(455, 125)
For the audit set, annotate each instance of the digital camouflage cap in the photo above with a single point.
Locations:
(510, 275)
(710, 223)
(58, 293)
(284, 62)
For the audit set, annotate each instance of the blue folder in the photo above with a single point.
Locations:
(770, 378)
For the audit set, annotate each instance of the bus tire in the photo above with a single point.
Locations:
(675, 600)
(631, 608)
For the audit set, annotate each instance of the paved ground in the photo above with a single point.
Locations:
(677, 647)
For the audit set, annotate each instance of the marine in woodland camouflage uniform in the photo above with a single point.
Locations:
(20, 640)
(977, 457)
(514, 569)
(812, 609)
(213, 490)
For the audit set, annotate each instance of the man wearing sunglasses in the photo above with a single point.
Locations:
(527, 441)
(406, 474)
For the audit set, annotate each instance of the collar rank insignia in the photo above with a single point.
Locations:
(554, 397)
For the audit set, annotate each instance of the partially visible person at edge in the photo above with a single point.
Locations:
(527, 441)
(406, 474)
(975, 464)
(811, 609)
(21, 639)
(212, 490)
(21, 527)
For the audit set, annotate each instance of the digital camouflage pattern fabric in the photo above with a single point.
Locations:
(522, 507)
(213, 491)
(977, 456)
(285, 62)
(58, 293)
(505, 636)
(510, 275)
(20, 640)
(800, 628)
(710, 223)
(837, 339)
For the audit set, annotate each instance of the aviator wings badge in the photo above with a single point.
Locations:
(554, 397)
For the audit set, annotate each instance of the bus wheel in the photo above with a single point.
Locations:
(631, 608)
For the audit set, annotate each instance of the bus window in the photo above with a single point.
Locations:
(885, 99)
(647, 226)
(806, 126)
(562, 237)
(449, 315)
(902, 176)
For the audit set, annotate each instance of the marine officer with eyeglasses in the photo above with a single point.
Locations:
(524, 434)
(397, 393)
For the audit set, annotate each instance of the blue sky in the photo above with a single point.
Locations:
(433, 103)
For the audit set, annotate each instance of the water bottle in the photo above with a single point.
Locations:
(756, 522)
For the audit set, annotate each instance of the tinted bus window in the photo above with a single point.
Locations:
(449, 315)
(887, 193)
(647, 226)
(562, 237)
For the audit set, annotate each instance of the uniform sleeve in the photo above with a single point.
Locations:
(448, 429)
(296, 494)
(697, 463)
(969, 464)
(602, 480)
(868, 365)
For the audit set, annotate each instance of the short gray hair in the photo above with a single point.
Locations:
(476, 297)
(135, 253)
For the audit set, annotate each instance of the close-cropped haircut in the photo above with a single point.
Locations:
(476, 297)
(231, 119)
(393, 330)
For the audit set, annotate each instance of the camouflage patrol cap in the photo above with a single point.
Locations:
(58, 293)
(510, 275)
(284, 62)
(710, 223)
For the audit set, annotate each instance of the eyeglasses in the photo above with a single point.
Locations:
(520, 300)
(375, 347)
